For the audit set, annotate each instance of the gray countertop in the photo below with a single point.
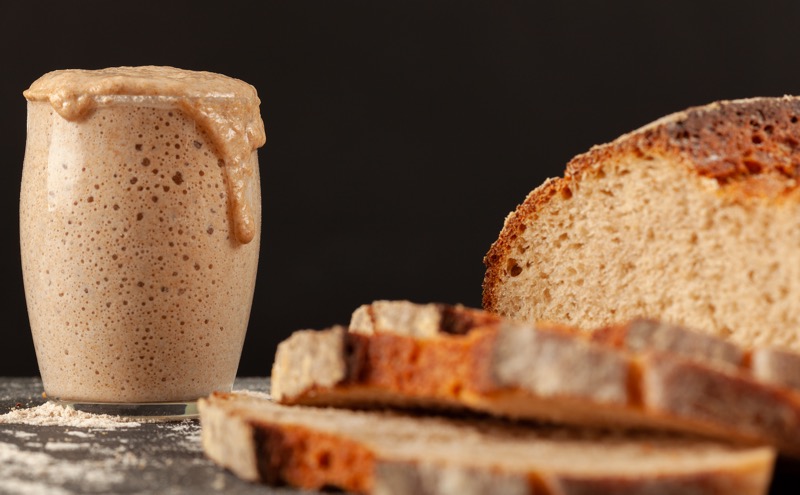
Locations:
(149, 458)
(163, 458)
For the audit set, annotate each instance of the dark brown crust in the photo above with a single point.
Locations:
(311, 459)
(728, 141)
(751, 147)
(460, 320)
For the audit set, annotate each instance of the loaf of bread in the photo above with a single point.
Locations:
(693, 219)
(391, 454)
(642, 374)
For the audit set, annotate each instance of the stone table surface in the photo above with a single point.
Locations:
(164, 458)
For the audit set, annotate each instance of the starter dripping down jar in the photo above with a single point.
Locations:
(140, 219)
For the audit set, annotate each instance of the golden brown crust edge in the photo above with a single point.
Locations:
(455, 373)
(310, 459)
(302, 456)
(471, 361)
(751, 147)
(497, 257)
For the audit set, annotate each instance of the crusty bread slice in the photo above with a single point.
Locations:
(401, 354)
(693, 219)
(780, 367)
(385, 453)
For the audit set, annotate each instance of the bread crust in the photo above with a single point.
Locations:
(297, 446)
(728, 141)
(636, 375)
(496, 260)
(750, 147)
(310, 459)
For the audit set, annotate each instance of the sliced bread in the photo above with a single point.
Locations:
(385, 453)
(767, 364)
(401, 354)
(693, 219)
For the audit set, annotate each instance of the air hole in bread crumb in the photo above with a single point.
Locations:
(566, 193)
(513, 268)
(794, 119)
(753, 166)
(324, 459)
(757, 139)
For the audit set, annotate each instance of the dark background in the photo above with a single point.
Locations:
(400, 133)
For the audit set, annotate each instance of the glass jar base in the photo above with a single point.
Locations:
(141, 411)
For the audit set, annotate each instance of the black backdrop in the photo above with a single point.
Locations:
(400, 133)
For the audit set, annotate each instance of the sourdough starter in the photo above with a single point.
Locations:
(139, 218)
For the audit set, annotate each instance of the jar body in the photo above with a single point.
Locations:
(137, 289)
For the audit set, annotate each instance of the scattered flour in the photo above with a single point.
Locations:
(28, 472)
(219, 482)
(79, 434)
(26, 487)
(185, 435)
(50, 413)
(58, 466)
(65, 446)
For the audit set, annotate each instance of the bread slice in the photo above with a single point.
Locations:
(779, 367)
(386, 453)
(401, 354)
(692, 219)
